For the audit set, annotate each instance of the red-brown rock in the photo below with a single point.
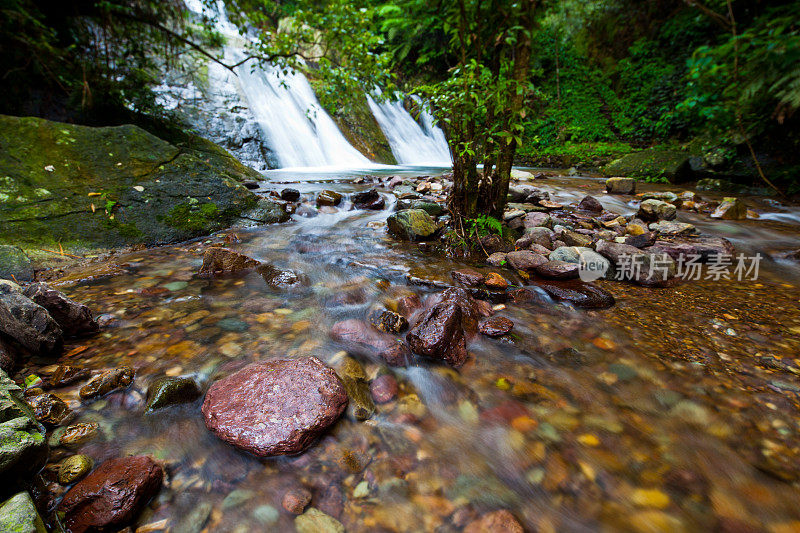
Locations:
(585, 295)
(361, 337)
(275, 407)
(408, 305)
(558, 270)
(440, 334)
(73, 317)
(218, 260)
(296, 500)
(383, 388)
(525, 259)
(112, 495)
(496, 326)
(495, 281)
(495, 522)
(467, 277)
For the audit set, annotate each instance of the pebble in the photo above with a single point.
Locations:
(296, 500)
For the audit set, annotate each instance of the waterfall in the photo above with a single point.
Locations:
(412, 143)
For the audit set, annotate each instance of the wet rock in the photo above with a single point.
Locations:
(277, 279)
(49, 409)
(567, 357)
(494, 280)
(642, 240)
(328, 197)
(408, 305)
(590, 203)
(653, 210)
(275, 407)
(267, 212)
(439, 334)
(730, 209)
(616, 251)
(74, 435)
(673, 228)
(673, 165)
(388, 321)
(496, 326)
(107, 381)
(467, 277)
(621, 185)
(74, 318)
(525, 260)
(354, 379)
(218, 260)
(577, 293)
(472, 310)
(252, 185)
(15, 264)
(18, 514)
(360, 337)
(560, 270)
(167, 391)
(290, 195)
(572, 238)
(537, 219)
(495, 522)
(569, 254)
(706, 247)
(384, 388)
(66, 375)
(315, 521)
(494, 243)
(27, 323)
(370, 199)
(73, 468)
(411, 224)
(497, 259)
(112, 495)
(296, 500)
(8, 357)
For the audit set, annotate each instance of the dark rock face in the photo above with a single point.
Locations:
(108, 381)
(496, 326)
(388, 321)
(8, 357)
(472, 310)
(275, 407)
(267, 211)
(168, 391)
(585, 295)
(67, 374)
(439, 334)
(74, 318)
(590, 203)
(330, 198)
(558, 270)
(467, 277)
(642, 240)
(49, 409)
(15, 264)
(370, 199)
(525, 260)
(218, 260)
(27, 323)
(112, 495)
(360, 337)
(290, 195)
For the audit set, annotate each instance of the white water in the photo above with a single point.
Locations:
(411, 143)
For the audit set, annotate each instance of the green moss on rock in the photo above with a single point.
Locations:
(652, 165)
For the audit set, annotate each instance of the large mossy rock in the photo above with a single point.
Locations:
(652, 164)
(18, 514)
(411, 225)
(23, 448)
(90, 188)
(15, 264)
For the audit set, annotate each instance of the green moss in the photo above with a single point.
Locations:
(191, 216)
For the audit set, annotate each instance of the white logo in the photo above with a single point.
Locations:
(593, 266)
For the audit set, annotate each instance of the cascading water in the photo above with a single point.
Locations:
(412, 143)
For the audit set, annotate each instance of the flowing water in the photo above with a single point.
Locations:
(681, 414)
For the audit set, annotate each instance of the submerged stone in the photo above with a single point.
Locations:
(167, 391)
(107, 381)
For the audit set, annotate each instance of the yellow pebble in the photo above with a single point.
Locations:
(587, 439)
(650, 498)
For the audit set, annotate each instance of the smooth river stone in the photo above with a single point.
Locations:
(275, 407)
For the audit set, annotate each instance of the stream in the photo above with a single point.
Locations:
(677, 412)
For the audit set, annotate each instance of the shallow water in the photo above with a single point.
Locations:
(681, 415)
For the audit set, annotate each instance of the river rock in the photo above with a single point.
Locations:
(495, 522)
(167, 391)
(278, 279)
(730, 209)
(49, 409)
(360, 337)
(384, 388)
(673, 165)
(28, 323)
(653, 210)
(112, 495)
(472, 310)
(620, 185)
(706, 247)
(290, 195)
(525, 260)
(328, 197)
(315, 521)
(74, 318)
(569, 254)
(495, 281)
(412, 225)
(591, 204)
(537, 219)
(467, 277)
(572, 238)
(579, 294)
(354, 379)
(673, 228)
(15, 264)
(388, 321)
(496, 326)
(66, 375)
(267, 211)
(217, 260)
(439, 334)
(73, 468)
(643, 240)
(107, 381)
(275, 407)
(8, 357)
(558, 270)
(18, 514)
(74, 435)
(370, 199)
(295, 500)
(408, 305)
(497, 259)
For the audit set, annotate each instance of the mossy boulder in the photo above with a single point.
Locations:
(18, 515)
(86, 188)
(652, 164)
(15, 264)
(359, 127)
(411, 225)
